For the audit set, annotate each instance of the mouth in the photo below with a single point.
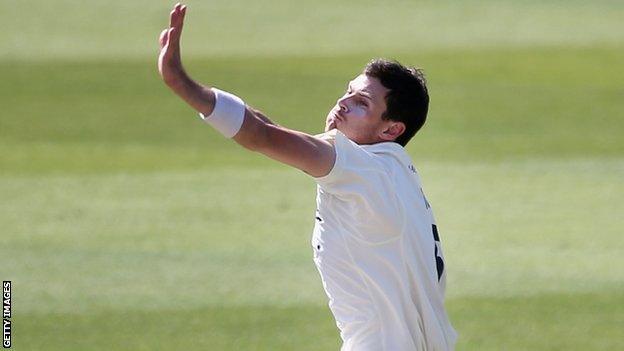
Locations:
(334, 119)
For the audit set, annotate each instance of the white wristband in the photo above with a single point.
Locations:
(228, 114)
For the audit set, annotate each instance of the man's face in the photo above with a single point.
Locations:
(357, 114)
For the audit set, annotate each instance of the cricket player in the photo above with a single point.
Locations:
(375, 240)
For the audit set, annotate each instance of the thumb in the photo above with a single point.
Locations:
(164, 37)
(174, 36)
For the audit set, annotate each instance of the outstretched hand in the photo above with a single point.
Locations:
(169, 60)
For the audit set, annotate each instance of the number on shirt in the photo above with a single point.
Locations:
(436, 252)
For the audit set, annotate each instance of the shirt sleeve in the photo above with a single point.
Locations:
(355, 169)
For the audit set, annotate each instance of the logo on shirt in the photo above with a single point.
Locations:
(412, 168)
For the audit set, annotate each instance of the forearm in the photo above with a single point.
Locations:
(257, 132)
(261, 116)
(198, 96)
(232, 118)
(202, 98)
(252, 133)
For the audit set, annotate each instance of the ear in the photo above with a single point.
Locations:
(392, 131)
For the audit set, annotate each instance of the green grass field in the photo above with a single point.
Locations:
(127, 224)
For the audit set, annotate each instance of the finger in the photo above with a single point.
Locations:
(175, 15)
(178, 24)
(174, 37)
(167, 50)
(172, 15)
(164, 38)
(180, 19)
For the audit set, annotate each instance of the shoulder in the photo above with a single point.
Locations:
(354, 164)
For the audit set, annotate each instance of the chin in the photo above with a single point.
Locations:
(330, 126)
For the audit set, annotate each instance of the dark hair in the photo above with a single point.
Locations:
(408, 99)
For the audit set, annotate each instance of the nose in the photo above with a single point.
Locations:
(342, 104)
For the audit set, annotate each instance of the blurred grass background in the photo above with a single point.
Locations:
(127, 224)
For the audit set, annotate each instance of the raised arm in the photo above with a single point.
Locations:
(258, 133)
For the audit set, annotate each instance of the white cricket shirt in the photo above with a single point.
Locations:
(378, 253)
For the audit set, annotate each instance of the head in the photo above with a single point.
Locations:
(386, 102)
